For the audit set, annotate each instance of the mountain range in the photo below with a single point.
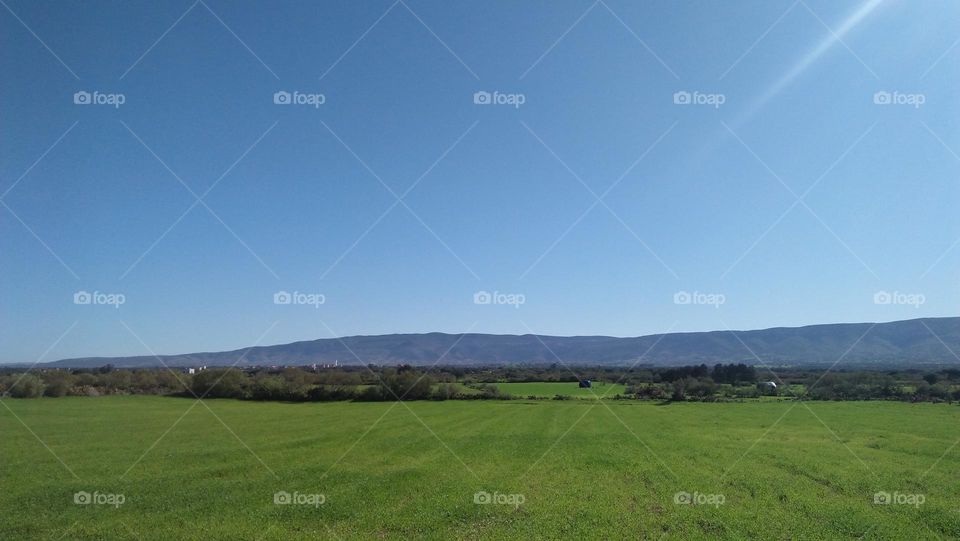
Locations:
(915, 342)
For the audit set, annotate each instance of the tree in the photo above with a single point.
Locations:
(734, 374)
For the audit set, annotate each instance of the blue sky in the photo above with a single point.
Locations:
(788, 196)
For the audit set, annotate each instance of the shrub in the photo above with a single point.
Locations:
(405, 384)
(445, 391)
(57, 388)
(26, 386)
(269, 388)
(58, 383)
(220, 383)
(372, 394)
(492, 392)
(326, 393)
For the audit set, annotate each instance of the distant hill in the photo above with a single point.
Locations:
(912, 342)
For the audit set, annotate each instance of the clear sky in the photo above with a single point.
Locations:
(789, 191)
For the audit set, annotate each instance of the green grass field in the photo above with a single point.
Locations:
(783, 471)
(551, 389)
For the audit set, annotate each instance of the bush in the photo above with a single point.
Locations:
(57, 388)
(648, 391)
(85, 390)
(445, 391)
(58, 383)
(118, 381)
(372, 394)
(492, 392)
(326, 393)
(405, 384)
(144, 381)
(746, 392)
(220, 383)
(269, 388)
(26, 386)
(86, 379)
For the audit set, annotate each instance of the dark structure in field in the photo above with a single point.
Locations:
(585, 384)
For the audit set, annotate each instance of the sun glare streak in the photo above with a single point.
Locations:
(809, 59)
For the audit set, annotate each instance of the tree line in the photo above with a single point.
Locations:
(377, 383)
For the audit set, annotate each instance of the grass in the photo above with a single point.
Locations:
(572, 389)
(786, 470)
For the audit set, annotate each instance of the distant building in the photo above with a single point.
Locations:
(585, 384)
(768, 386)
(316, 367)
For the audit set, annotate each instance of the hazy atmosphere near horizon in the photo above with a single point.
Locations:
(586, 164)
(529, 269)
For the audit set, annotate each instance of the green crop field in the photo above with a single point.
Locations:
(551, 389)
(170, 468)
